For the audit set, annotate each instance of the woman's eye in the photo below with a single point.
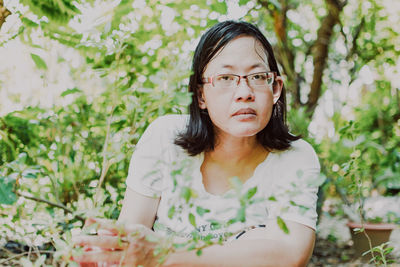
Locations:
(225, 77)
(258, 77)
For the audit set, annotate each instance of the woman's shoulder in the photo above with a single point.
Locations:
(170, 121)
(299, 153)
(301, 145)
(168, 126)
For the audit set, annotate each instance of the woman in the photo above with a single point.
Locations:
(180, 178)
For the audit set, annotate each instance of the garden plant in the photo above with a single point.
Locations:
(110, 68)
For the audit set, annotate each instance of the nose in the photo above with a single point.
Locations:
(244, 92)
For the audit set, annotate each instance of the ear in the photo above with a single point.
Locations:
(200, 99)
(277, 88)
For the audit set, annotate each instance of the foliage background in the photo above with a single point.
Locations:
(81, 80)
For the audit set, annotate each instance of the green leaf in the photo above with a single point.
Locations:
(179, 245)
(192, 219)
(191, 247)
(251, 192)
(232, 221)
(201, 211)
(176, 172)
(29, 22)
(30, 173)
(241, 214)
(208, 238)
(171, 212)
(186, 193)
(345, 128)
(215, 225)
(40, 64)
(70, 91)
(7, 195)
(243, 2)
(56, 10)
(272, 198)
(282, 225)
(199, 252)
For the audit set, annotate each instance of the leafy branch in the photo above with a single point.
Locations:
(60, 206)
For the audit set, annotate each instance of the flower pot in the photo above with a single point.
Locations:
(378, 233)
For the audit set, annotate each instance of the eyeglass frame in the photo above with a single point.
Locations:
(210, 79)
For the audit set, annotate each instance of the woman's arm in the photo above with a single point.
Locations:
(268, 246)
(259, 247)
(138, 209)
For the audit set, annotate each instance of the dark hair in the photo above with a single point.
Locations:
(199, 134)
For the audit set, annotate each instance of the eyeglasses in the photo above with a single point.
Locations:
(259, 80)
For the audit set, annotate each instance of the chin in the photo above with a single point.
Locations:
(245, 132)
(241, 129)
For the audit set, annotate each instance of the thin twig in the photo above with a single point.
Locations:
(51, 204)
(21, 254)
(360, 210)
(105, 164)
(368, 238)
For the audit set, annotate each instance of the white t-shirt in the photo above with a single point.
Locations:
(287, 184)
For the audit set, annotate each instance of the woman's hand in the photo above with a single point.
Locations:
(117, 243)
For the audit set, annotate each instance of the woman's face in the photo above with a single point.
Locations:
(240, 110)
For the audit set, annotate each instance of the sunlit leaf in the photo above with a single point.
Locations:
(201, 211)
(71, 91)
(40, 63)
(171, 212)
(241, 214)
(186, 193)
(30, 173)
(251, 192)
(192, 219)
(282, 225)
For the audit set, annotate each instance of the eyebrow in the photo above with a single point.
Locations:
(257, 65)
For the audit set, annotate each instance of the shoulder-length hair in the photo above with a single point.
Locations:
(199, 134)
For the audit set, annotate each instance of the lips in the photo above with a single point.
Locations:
(245, 111)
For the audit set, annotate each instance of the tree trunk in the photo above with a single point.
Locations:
(4, 13)
(320, 51)
(285, 55)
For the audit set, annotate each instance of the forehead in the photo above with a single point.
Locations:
(240, 54)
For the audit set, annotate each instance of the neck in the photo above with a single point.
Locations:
(231, 150)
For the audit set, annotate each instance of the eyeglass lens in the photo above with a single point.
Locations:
(254, 80)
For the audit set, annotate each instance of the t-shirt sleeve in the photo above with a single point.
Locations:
(146, 168)
(294, 196)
